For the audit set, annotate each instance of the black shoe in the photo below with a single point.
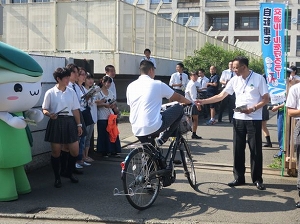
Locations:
(298, 204)
(236, 183)
(115, 154)
(259, 185)
(268, 145)
(277, 156)
(73, 179)
(57, 183)
(196, 137)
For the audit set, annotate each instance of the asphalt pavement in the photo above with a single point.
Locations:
(93, 199)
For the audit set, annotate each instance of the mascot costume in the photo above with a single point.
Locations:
(20, 90)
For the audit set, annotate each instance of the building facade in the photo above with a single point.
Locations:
(233, 21)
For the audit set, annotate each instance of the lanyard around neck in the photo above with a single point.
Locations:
(247, 80)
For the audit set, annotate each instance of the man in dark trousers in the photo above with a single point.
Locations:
(251, 93)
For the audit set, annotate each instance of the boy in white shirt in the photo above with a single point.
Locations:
(191, 94)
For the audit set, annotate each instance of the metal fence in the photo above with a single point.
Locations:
(98, 26)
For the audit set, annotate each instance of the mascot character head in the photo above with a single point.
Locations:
(20, 79)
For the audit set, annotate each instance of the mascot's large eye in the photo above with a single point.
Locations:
(18, 87)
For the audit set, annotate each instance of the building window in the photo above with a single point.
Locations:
(219, 23)
(182, 18)
(298, 43)
(165, 15)
(298, 46)
(247, 22)
(40, 0)
(187, 1)
(3, 2)
(288, 43)
(289, 19)
(158, 1)
(19, 1)
(131, 1)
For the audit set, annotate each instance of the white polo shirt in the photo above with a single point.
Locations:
(226, 76)
(144, 96)
(175, 79)
(293, 98)
(191, 91)
(55, 100)
(201, 82)
(149, 59)
(248, 92)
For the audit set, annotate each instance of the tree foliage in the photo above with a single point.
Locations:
(219, 57)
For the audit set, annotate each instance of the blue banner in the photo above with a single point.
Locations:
(272, 31)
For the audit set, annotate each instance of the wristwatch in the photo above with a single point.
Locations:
(79, 125)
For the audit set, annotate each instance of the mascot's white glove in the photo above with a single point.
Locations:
(34, 114)
(15, 122)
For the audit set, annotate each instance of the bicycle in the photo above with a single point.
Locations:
(146, 170)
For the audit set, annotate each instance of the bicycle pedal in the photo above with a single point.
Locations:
(177, 162)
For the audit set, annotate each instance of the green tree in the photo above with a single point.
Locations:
(219, 57)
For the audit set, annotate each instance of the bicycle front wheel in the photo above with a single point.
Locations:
(141, 191)
(187, 162)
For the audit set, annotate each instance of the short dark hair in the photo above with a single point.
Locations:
(242, 60)
(293, 67)
(147, 50)
(201, 70)
(146, 66)
(72, 67)
(89, 75)
(61, 73)
(193, 73)
(105, 79)
(180, 64)
(108, 67)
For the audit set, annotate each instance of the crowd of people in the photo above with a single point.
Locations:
(242, 91)
(74, 105)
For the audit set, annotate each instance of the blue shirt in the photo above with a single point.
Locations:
(213, 90)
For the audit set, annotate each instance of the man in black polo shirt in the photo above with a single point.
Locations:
(212, 90)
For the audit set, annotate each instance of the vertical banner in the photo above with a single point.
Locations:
(272, 30)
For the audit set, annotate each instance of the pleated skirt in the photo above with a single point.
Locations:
(62, 130)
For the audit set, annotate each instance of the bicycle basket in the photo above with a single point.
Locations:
(185, 124)
(186, 120)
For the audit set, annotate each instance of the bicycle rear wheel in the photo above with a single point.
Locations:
(187, 162)
(140, 190)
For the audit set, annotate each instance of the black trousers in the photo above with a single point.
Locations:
(229, 102)
(243, 131)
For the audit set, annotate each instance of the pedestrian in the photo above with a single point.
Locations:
(293, 110)
(201, 84)
(148, 57)
(88, 84)
(251, 93)
(191, 94)
(110, 71)
(229, 101)
(83, 103)
(280, 124)
(179, 80)
(212, 90)
(293, 78)
(265, 130)
(64, 127)
(106, 105)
